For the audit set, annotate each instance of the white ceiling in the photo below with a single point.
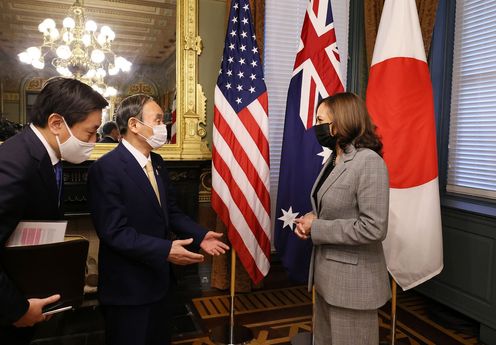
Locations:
(145, 29)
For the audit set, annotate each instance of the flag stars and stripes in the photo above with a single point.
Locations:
(315, 75)
(325, 154)
(240, 154)
(288, 217)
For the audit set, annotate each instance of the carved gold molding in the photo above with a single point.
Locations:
(190, 100)
(11, 97)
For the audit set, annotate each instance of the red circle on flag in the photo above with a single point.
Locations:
(400, 102)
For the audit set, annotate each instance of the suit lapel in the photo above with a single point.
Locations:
(138, 176)
(45, 167)
(338, 170)
(333, 176)
(157, 169)
(314, 206)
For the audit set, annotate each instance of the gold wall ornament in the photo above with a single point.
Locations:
(142, 87)
(35, 84)
(194, 43)
(11, 97)
(190, 100)
(201, 102)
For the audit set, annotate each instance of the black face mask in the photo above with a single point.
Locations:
(324, 137)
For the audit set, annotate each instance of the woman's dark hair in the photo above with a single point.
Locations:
(67, 97)
(131, 106)
(352, 122)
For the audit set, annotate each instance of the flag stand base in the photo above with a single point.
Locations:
(231, 335)
(304, 338)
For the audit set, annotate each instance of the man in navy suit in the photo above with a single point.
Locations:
(67, 114)
(134, 211)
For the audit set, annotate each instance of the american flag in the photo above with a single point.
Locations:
(315, 76)
(240, 155)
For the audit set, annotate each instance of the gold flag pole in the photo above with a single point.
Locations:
(231, 334)
(233, 292)
(393, 311)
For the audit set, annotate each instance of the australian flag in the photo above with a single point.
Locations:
(315, 76)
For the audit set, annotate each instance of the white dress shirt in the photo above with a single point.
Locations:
(142, 160)
(51, 152)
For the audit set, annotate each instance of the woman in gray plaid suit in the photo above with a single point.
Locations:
(350, 202)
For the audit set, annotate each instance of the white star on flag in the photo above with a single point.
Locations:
(288, 217)
(325, 154)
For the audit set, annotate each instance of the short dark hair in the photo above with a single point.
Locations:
(352, 122)
(131, 106)
(70, 98)
(108, 127)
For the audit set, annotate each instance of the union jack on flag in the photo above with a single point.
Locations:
(315, 76)
(240, 154)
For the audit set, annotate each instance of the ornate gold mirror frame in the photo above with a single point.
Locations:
(190, 101)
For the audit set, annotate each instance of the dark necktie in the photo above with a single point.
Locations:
(58, 177)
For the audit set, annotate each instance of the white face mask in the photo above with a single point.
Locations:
(159, 136)
(74, 150)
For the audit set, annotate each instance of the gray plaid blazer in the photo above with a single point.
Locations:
(348, 267)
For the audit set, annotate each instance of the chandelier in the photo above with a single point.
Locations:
(78, 50)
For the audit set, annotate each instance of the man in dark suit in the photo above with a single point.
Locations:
(67, 114)
(110, 133)
(134, 210)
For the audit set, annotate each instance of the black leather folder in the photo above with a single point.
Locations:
(43, 270)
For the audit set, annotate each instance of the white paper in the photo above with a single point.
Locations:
(33, 233)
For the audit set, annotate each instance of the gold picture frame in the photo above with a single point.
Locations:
(190, 100)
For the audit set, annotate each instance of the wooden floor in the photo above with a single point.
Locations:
(274, 314)
(277, 315)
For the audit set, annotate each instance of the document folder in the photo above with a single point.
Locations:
(43, 270)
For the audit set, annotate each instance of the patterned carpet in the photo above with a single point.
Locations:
(275, 316)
